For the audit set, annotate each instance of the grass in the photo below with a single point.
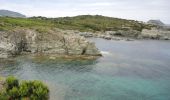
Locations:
(8, 23)
(81, 23)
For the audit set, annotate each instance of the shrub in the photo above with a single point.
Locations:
(25, 89)
(11, 82)
(31, 90)
(36, 90)
(40, 91)
(14, 93)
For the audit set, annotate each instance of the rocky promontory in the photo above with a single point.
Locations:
(67, 35)
(51, 42)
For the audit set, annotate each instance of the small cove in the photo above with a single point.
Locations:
(128, 70)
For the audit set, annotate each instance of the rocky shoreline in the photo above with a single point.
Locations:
(54, 41)
(68, 43)
(130, 35)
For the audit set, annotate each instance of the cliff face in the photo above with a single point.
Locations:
(50, 42)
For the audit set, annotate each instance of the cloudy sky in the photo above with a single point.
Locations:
(142, 10)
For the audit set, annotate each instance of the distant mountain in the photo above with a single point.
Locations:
(156, 22)
(11, 14)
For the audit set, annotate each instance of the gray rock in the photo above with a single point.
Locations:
(155, 34)
(108, 37)
(52, 42)
(86, 34)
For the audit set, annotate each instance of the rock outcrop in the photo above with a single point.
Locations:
(54, 41)
(130, 35)
(112, 35)
(155, 34)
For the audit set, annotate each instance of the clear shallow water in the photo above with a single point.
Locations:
(135, 70)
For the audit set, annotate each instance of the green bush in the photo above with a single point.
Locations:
(33, 90)
(25, 89)
(11, 82)
(36, 90)
(40, 91)
(14, 93)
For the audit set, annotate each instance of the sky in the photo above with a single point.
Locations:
(142, 10)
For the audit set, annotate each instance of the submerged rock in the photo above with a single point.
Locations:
(50, 42)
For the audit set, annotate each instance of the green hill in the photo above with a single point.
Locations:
(81, 23)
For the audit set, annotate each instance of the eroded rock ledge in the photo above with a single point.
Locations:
(54, 41)
(129, 35)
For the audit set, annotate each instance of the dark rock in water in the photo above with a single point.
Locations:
(54, 41)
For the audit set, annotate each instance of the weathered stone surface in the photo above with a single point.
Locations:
(155, 34)
(86, 34)
(51, 42)
(130, 35)
(113, 35)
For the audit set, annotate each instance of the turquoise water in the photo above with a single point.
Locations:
(135, 70)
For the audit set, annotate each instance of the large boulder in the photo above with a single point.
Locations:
(53, 41)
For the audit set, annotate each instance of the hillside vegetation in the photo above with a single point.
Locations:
(81, 23)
